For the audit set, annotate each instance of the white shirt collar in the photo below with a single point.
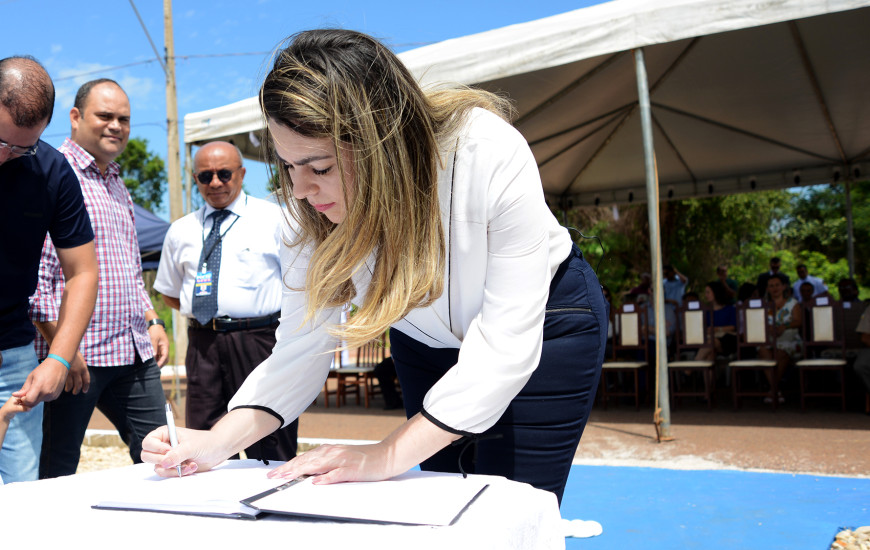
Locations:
(237, 207)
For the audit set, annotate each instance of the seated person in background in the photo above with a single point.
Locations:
(724, 323)
(646, 302)
(608, 351)
(787, 323)
(852, 310)
(690, 296)
(746, 292)
(775, 265)
(644, 287)
(385, 372)
(848, 291)
(862, 361)
(674, 287)
(730, 284)
(805, 293)
(819, 287)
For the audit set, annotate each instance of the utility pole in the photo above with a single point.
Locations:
(176, 208)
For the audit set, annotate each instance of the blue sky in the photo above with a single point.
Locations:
(80, 41)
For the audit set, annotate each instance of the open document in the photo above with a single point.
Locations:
(240, 489)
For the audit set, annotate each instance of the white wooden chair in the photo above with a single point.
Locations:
(629, 337)
(753, 332)
(823, 329)
(694, 334)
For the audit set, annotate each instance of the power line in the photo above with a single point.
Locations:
(153, 59)
(205, 55)
(106, 69)
(147, 34)
(187, 57)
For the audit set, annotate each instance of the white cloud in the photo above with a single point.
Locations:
(56, 48)
(66, 89)
(140, 89)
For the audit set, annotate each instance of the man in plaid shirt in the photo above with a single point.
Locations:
(125, 343)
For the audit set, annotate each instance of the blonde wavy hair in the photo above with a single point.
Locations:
(349, 88)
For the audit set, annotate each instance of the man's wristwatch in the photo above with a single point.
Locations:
(157, 321)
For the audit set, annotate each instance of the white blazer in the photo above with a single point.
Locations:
(504, 246)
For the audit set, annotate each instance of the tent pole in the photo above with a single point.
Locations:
(663, 408)
(850, 231)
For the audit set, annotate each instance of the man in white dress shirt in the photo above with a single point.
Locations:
(227, 281)
(819, 286)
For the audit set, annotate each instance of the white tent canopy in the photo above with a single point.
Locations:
(745, 95)
(742, 95)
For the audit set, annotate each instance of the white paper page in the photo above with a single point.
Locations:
(217, 491)
(418, 498)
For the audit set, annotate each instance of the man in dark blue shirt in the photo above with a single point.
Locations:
(40, 193)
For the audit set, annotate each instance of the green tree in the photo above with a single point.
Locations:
(144, 173)
(817, 223)
(737, 230)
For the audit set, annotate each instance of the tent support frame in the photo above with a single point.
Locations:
(663, 406)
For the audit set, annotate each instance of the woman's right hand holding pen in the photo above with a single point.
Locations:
(201, 450)
(190, 453)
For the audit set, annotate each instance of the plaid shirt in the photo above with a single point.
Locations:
(118, 327)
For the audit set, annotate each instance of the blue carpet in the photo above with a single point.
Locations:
(652, 508)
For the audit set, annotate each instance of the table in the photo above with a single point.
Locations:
(57, 513)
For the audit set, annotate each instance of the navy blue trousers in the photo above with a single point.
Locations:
(536, 438)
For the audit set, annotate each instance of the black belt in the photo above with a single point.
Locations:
(226, 324)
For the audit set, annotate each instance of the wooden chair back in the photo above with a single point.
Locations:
(630, 330)
(824, 326)
(695, 327)
(754, 326)
(372, 352)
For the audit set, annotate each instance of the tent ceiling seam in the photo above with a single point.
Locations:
(569, 88)
(581, 139)
(575, 180)
(742, 131)
(617, 111)
(817, 89)
(674, 148)
(676, 63)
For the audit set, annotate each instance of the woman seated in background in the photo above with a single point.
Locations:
(787, 323)
(724, 323)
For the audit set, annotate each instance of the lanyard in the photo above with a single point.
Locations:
(219, 238)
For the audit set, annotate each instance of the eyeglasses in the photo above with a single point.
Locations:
(20, 151)
(206, 176)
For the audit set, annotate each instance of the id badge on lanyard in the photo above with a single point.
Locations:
(203, 284)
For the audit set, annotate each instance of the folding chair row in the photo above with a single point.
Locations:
(630, 355)
(823, 349)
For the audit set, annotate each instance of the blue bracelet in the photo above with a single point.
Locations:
(59, 359)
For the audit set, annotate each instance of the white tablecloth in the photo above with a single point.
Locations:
(57, 513)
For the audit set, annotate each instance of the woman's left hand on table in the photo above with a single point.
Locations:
(338, 463)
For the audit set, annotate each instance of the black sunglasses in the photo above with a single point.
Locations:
(206, 176)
